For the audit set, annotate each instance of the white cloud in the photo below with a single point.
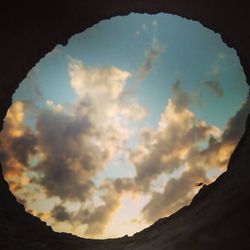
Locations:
(106, 82)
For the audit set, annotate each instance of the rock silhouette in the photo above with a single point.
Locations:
(199, 184)
(218, 216)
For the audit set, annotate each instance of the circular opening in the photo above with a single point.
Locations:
(124, 125)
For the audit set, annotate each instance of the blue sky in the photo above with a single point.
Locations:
(189, 56)
(147, 101)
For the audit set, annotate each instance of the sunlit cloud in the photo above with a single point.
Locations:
(178, 146)
(169, 147)
(17, 143)
(174, 145)
(96, 218)
(72, 145)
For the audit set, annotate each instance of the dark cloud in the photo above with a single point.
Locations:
(3, 155)
(124, 184)
(214, 87)
(95, 217)
(60, 213)
(24, 146)
(100, 216)
(66, 161)
(70, 157)
(219, 150)
(59, 180)
(69, 146)
(236, 124)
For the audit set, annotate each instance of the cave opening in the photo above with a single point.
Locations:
(137, 137)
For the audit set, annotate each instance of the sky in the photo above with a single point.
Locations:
(115, 130)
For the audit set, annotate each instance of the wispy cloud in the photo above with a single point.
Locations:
(151, 55)
(213, 84)
(214, 87)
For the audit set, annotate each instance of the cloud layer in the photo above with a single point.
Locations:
(182, 143)
(67, 147)
(62, 150)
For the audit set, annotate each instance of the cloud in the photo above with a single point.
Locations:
(111, 194)
(171, 145)
(13, 123)
(67, 154)
(176, 145)
(214, 87)
(219, 150)
(64, 148)
(180, 98)
(151, 56)
(60, 213)
(177, 193)
(134, 112)
(13, 138)
(67, 148)
(106, 82)
(23, 146)
(71, 146)
(215, 68)
(75, 144)
(96, 217)
(236, 124)
(100, 216)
